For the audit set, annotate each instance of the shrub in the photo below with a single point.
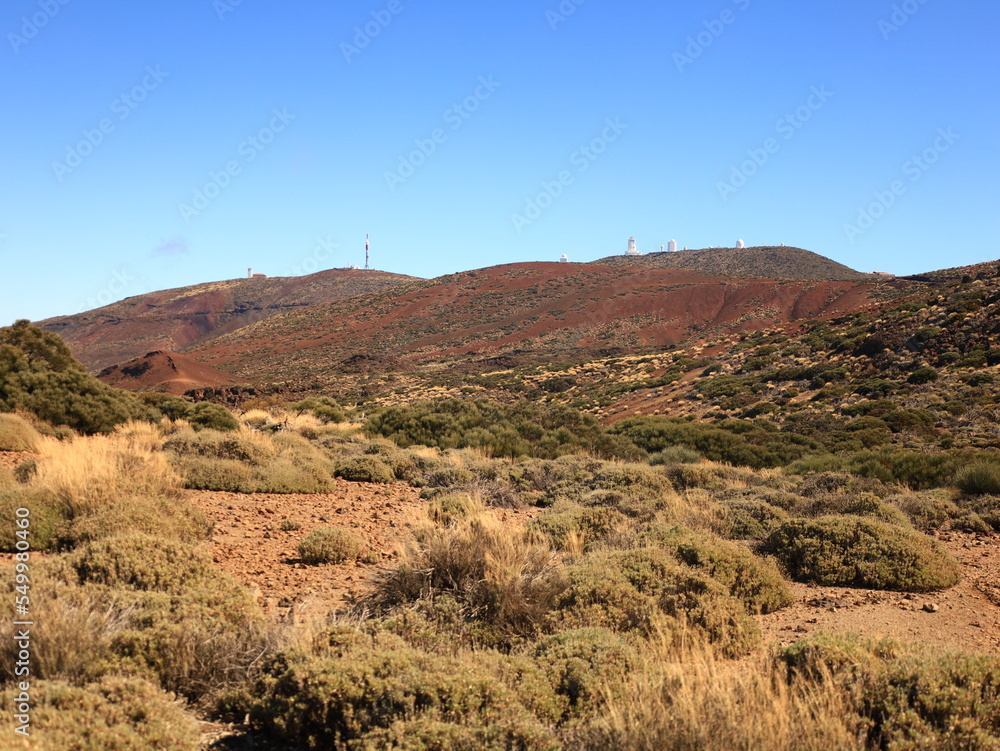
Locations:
(862, 553)
(754, 581)
(16, 434)
(647, 591)
(751, 519)
(503, 576)
(364, 469)
(980, 478)
(873, 507)
(928, 510)
(248, 462)
(39, 375)
(85, 476)
(47, 521)
(360, 695)
(675, 455)
(326, 545)
(923, 375)
(208, 416)
(323, 407)
(521, 429)
(579, 664)
(914, 469)
(142, 562)
(124, 714)
(695, 700)
(447, 510)
(907, 696)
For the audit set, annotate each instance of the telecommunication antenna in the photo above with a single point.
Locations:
(367, 247)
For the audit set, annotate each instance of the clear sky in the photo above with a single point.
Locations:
(161, 143)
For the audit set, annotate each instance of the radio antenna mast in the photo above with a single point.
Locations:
(367, 246)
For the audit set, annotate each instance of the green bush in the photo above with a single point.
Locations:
(646, 591)
(909, 697)
(751, 519)
(208, 416)
(521, 429)
(38, 374)
(323, 407)
(326, 545)
(123, 714)
(580, 664)
(863, 553)
(675, 455)
(923, 375)
(359, 695)
(746, 443)
(754, 581)
(980, 478)
(247, 463)
(364, 469)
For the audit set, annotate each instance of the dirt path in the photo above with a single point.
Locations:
(965, 617)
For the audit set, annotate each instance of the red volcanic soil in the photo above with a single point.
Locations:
(539, 311)
(172, 319)
(169, 372)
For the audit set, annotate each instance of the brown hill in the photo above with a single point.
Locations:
(172, 319)
(527, 312)
(765, 261)
(169, 372)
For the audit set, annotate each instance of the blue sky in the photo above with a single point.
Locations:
(169, 142)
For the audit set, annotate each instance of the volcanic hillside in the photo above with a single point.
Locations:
(767, 262)
(528, 312)
(176, 318)
(169, 372)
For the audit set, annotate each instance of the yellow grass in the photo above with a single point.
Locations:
(692, 699)
(90, 473)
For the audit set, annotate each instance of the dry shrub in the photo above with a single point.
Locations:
(124, 714)
(451, 509)
(143, 606)
(17, 434)
(249, 461)
(505, 575)
(93, 488)
(327, 545)
(364, 469)
(690, 700)
(74, 645)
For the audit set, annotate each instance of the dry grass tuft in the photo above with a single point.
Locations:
(88, 474)
(509, 576)
(17, 434)
(692, 700)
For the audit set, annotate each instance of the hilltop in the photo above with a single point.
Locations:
(525, 313)
(172, 319)
(772, 262)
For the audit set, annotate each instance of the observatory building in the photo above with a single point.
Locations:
(740, 244)
(564, 258)
(631, 248)
(672, 246)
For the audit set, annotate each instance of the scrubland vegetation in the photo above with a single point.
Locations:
(620, 617)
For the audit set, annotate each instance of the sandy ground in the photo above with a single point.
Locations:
(965, 617)
(252, 543)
